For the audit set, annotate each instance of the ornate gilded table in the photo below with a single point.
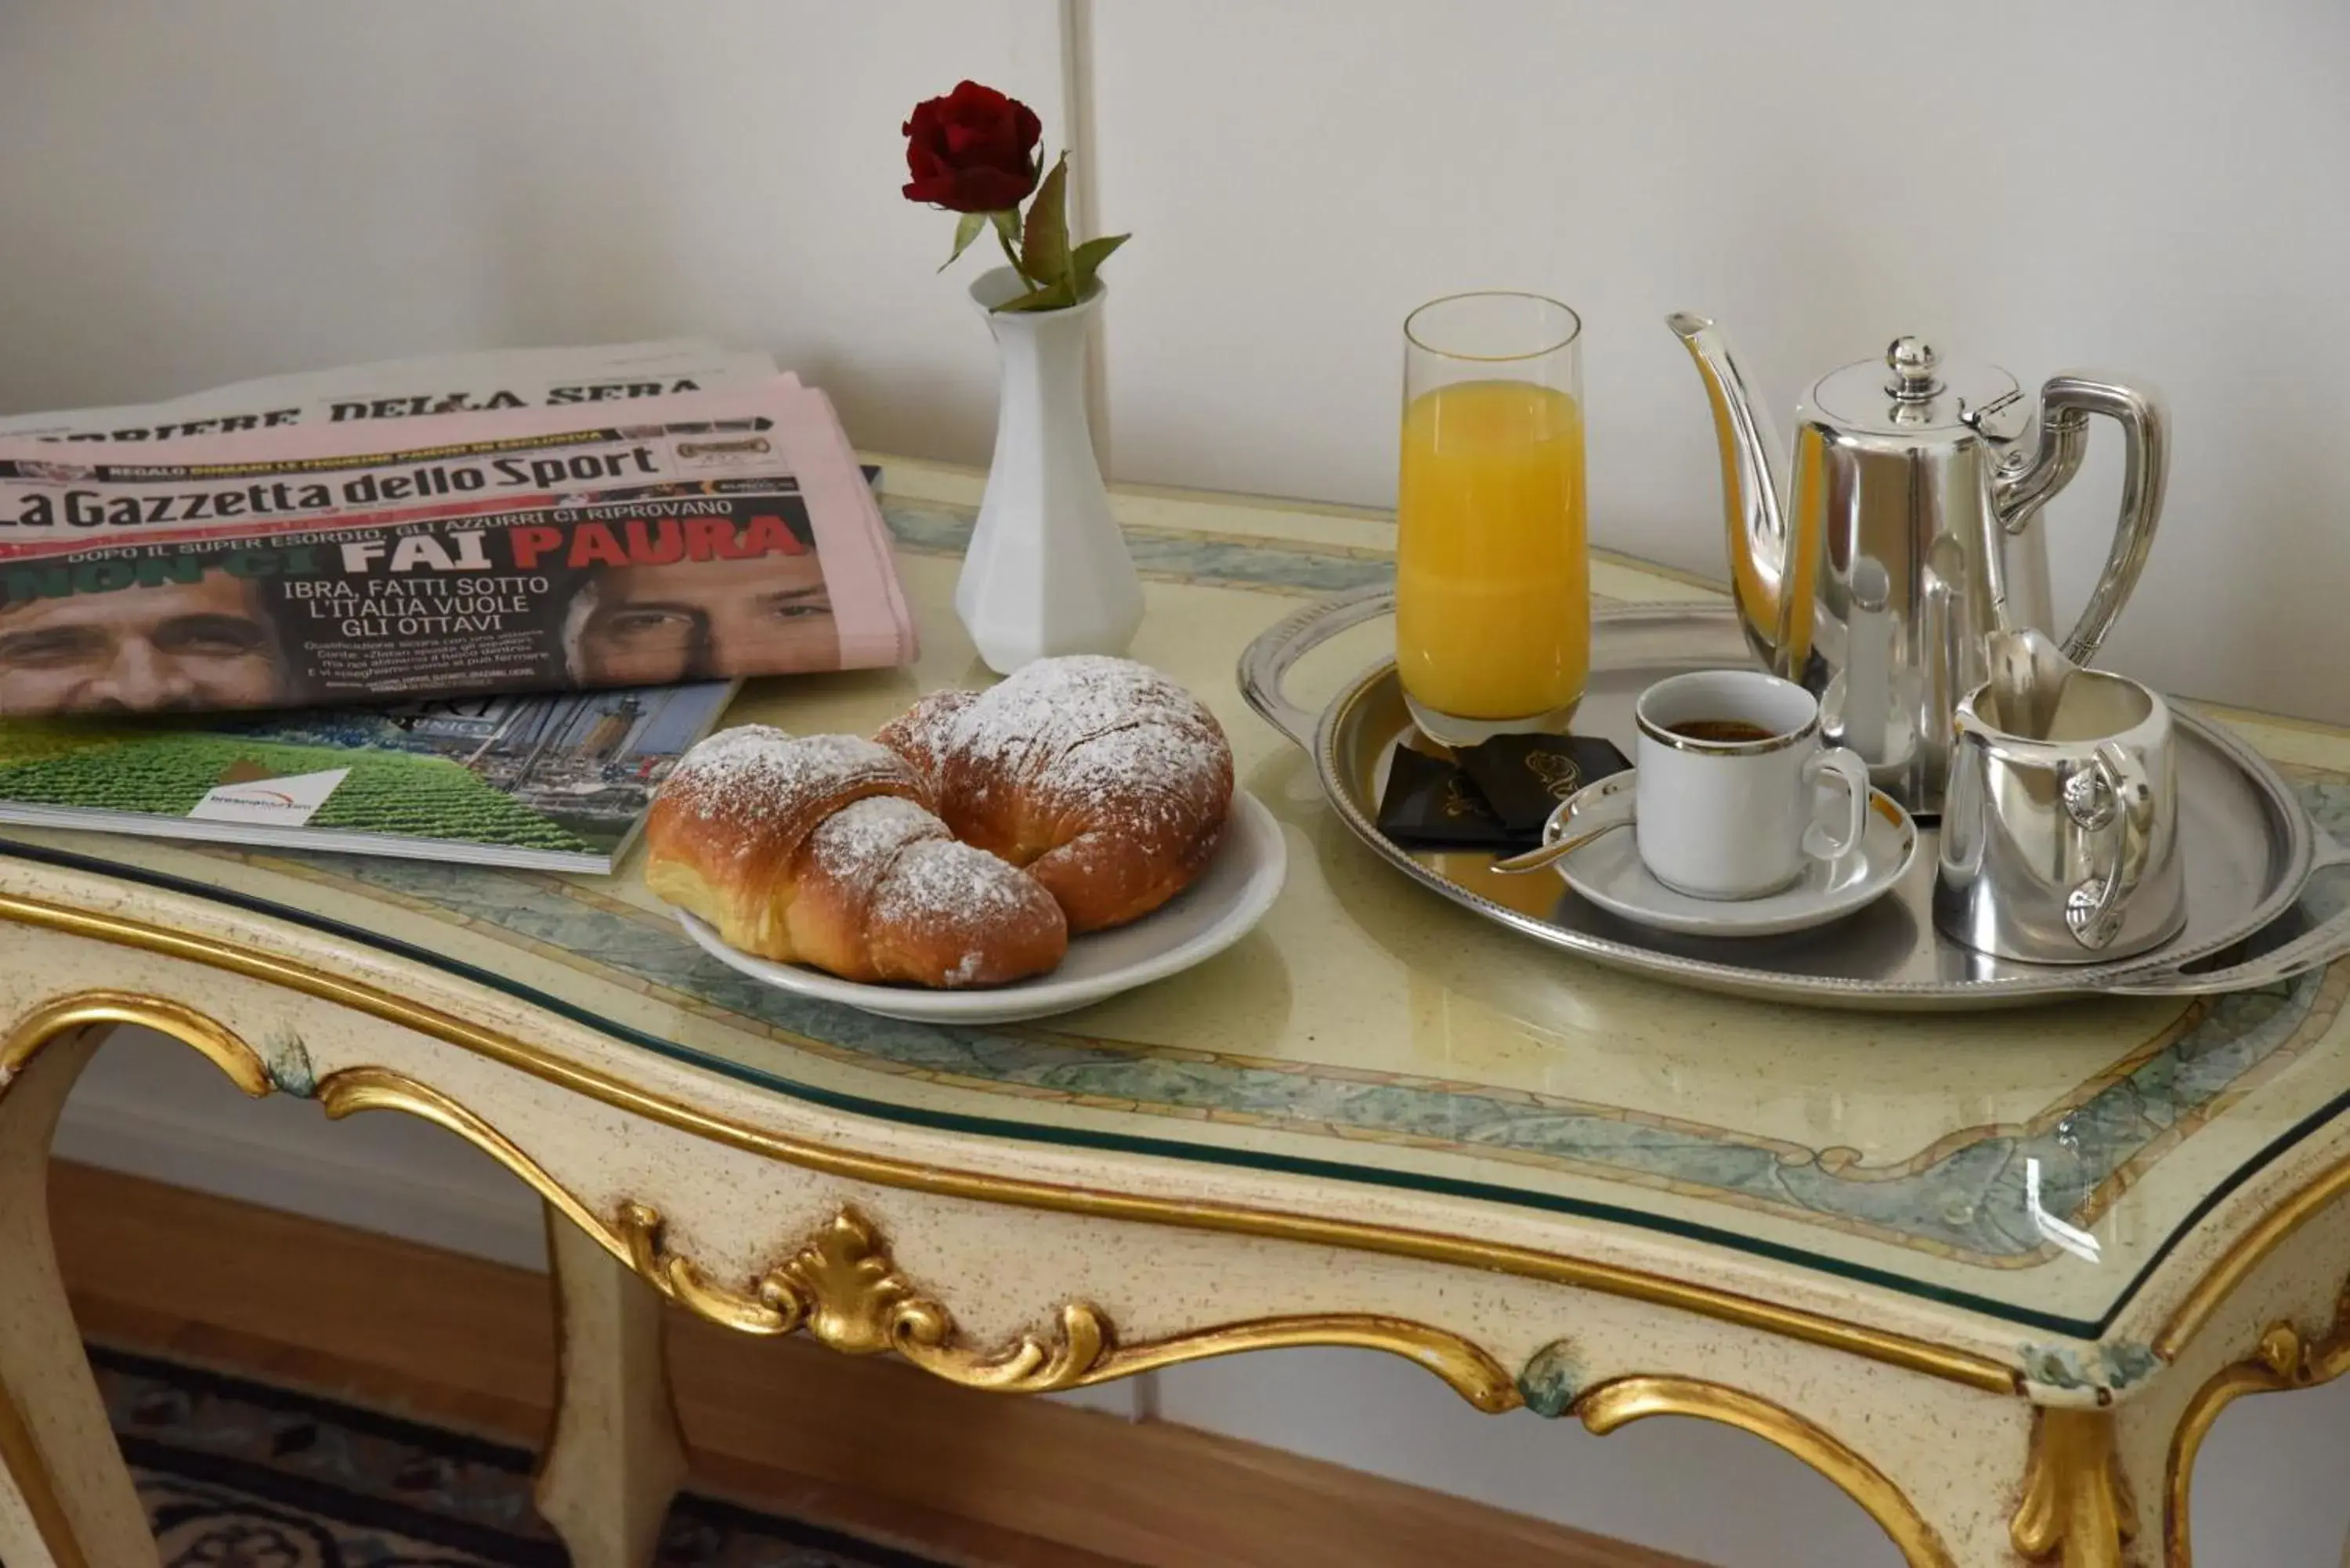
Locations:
(1994, 1275)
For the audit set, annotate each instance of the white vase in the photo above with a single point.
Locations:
(1047, 571)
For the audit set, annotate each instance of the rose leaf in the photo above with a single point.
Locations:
(967, 229)
(1087, 259)
(1044, 248)
(1054, 296)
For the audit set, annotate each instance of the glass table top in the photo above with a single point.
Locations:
(2030, 1165)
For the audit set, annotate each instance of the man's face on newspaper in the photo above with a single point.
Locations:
(656, 625)
(171, 646)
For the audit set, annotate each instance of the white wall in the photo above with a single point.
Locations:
(2150, 184)
(203, 193)
(199, 194)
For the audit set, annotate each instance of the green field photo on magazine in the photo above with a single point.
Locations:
(169, 775)
(560, 780)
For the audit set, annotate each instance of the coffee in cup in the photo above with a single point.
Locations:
(1719, 732)
(1728, 774)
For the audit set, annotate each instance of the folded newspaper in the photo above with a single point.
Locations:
(687, 536)
(431, 384)
(468, 527)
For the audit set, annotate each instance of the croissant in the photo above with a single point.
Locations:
(822, 850)
(1105, 781)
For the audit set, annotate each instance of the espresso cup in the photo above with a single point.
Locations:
(1728, 783)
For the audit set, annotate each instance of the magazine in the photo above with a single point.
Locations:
(400, 389)
(556, 783)
(672, 538)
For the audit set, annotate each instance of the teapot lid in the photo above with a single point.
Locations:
(1910, 391)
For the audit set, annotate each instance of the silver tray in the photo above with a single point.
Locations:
(2250, 848)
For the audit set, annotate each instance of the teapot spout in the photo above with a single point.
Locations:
(1752, 509)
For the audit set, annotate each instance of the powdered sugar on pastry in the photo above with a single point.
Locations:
(858, 843)
(818, 849)
(1105, 780)
(755, 768)
(967, 903)
(1147, 772)
(1109, 730)
(941, 879)
(1053, 703)
(924, 733)
(1080, 794)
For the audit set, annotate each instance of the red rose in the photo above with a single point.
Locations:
(973, 150)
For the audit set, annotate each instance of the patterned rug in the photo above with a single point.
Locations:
(238, 1474)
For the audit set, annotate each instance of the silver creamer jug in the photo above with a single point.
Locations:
(1907, 532)
(2060, 832)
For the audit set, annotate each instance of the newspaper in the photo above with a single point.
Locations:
(430, 385)
(634, 541)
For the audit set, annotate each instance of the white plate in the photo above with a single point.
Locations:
(1198, 923)
(1608, 872)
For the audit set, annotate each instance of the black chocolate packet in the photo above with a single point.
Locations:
(1523, 777)
(1430, 803)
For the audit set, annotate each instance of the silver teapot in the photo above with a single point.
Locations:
(1906, 534)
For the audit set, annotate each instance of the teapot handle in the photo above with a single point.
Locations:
(2066, 402)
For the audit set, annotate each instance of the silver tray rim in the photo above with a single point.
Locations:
(2156, 972)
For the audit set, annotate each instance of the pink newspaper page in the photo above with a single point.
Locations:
(698, 536)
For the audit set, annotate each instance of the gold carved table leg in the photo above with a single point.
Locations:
(66, 1500)
(2081, 1505)
(613, 1459)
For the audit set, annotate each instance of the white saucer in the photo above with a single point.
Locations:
(1607, 871)
(1198, 923)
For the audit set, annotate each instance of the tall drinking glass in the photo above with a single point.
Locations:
(1493, 558)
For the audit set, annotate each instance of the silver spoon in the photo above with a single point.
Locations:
(2028, 672)
(1535, 859)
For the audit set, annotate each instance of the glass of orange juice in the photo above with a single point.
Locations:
(1493, 557)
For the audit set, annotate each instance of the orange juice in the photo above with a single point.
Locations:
(1492, 568)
